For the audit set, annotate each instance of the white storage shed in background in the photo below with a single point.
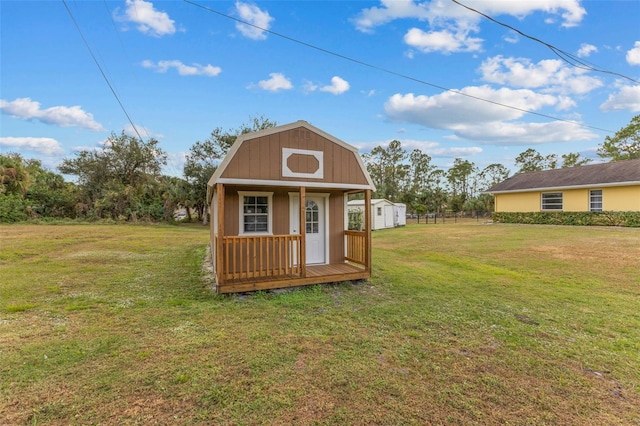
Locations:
(384, 213)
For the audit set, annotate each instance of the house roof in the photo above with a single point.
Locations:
(616, 173)
(218, 175)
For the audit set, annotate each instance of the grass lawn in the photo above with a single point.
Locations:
(461, 324)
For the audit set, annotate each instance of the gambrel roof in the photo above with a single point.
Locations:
(615, 173)
(295, 154)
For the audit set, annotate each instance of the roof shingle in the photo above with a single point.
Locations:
(616, 172)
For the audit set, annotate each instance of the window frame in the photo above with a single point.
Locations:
(591, 200)
(379, 211)
(241, 213)
(311, 221)
(544, 204)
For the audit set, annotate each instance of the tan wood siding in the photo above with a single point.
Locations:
(336, 227)
(281, 216)
(280, 207)
(261, 159)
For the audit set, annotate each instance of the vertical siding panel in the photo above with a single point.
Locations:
(254, 159)
(336, 223)
(243, 160)
(345, 165)
(278, 142)
(231, 213)
(267, 160)
(336, 158)
(264, 150)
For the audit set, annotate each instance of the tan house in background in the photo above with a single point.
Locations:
(611, 186)
(279, 211)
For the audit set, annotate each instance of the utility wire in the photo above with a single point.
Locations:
(125, 52)
(100, 68)
(388, 71)
(577, 62)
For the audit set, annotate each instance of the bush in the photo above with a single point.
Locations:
(606, 218)
(13, 208)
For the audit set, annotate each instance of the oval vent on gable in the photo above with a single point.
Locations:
(303, 163)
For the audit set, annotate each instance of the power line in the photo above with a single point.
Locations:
(100, 68)
(389, 71)
(565, 56)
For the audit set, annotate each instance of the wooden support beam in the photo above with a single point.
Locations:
(303, 232)
(367, 226)
(220, 243)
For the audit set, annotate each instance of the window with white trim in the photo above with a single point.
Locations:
(552, 201)
(595, 200)
(379, 211)
(255, 212)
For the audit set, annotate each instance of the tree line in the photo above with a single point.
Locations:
(123, 180)
(411, 178)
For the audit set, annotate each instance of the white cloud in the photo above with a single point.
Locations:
(443, 41)
(451, 24)
(511, 38)
(193, 69)
(628, 98)
(367, 19)
(507, 134)
(553, 75)
(149, 20)
(450, 110)
(26, 109)
(275, 83)
(337, 87)
(309, 86)
(488, 122)
(253, 15)
(586, 50)
(633, 55)
(46, 146)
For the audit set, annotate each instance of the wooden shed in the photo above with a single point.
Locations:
(279, 211)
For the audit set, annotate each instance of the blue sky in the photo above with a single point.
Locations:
(395, 71)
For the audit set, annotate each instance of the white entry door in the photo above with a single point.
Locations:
(315, 230)
(315, 218)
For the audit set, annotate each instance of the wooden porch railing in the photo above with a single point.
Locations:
(260, 256)
(356, 246)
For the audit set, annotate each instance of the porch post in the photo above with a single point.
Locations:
(220, 244)
(303, 232)
(367, 227)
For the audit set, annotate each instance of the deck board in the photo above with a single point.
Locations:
(316, 274)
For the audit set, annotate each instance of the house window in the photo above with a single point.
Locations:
(255, 212)
(595, 200)
(379, 211)
(552, 201)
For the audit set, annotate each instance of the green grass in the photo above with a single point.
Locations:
(460, 324)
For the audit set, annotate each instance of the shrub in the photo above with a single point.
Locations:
(606, 218)
(13, 208)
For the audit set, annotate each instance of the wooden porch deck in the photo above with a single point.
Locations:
(316, 274)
